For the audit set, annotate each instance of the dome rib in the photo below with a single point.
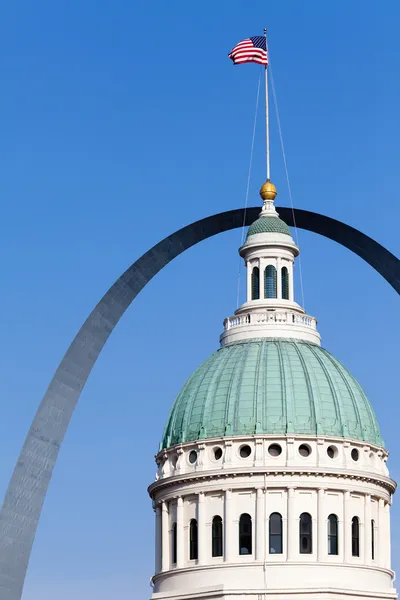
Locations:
(338, 411)
(271, 386)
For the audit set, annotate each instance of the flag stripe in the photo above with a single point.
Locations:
(250, 50)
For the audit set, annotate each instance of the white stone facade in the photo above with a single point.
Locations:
(259, 484)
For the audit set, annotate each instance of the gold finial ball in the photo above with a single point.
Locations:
(268, 191)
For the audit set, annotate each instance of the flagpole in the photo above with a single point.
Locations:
(267, 114)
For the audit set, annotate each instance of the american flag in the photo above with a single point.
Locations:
(252, 49)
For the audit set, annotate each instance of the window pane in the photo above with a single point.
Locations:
(174, 543)
(305, 534)
(193, 540)
(332, 535)
(270, 282)
(217, 536)
(275, 534)
(255, 284)
(245, 535)
(285, 283)
(355, 537)
(373, 540)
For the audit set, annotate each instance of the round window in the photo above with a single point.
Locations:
(304, 450)
(275, 450)
(192, 457)
(332, 451)
(355, 454)
(217, 453)
(245, 451)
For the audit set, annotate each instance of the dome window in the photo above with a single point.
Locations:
(217, 453)
(255, 284)
(174, 544)
(193, 457)
(270, 282)
(305, 533)
(245, 451)
(193, 540)
(245, 535)
(332, 451)
(373, 539)
(285, 283)
(333, 535)
(355, 536)
(355, 455)
(217, 544)
(275, 534)
(275, 450)
(304, 450)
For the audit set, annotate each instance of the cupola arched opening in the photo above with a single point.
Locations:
(245, 534)
(285, 283)
(275, 534)
(305, 533)
(373, 539)
(255, 283)
(270, 278)
(217, 536)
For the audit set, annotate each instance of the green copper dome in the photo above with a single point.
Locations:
(268, 225)
(271, 386)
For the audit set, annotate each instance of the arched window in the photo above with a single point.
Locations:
(285, 283)
(275, 534)
(174, 543)
(355, 536)
(305, 534)
(255, 284)
(245, 534)
(270, 282)
(217, 544)
(373, 539)
(333, 547)
(193, 540)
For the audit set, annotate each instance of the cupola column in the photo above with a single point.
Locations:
(388, 541)
(201, 519)
(179, 533)
(292, 530)
(260, 521)
(157, 566)
(165, 537)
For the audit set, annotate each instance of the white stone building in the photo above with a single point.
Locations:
(272, 479)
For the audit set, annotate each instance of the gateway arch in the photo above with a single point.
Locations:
(28, 486)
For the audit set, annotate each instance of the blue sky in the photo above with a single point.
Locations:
(122, 122)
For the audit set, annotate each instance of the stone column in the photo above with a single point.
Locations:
(201, 528)
(367, 531)
(322, 528)
(180, 539)
(260, 520)
(387, 531)
(381, 533)
(229, 539)
(157, 558)
(347, 527)
(291, 281)
(249, 269)
(165, 542)
(292, 526)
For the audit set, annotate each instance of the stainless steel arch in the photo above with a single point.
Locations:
(31, 477)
